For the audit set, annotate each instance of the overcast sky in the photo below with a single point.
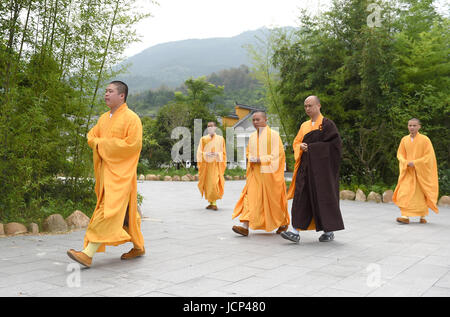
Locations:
(175, 20)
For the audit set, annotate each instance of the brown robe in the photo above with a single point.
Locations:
(316, 193)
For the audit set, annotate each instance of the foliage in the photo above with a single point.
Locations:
(371, 80)
(54, 57)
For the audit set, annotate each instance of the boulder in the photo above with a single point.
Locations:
(360, 196)
(142, 177)
(236, 178)
(176, 178)
(185, 178)
(444, 201)
(15, 228)
(55, 223)
(228, 178)
(191, 177)
(375, 197)
(33, 228)
(77, 220)
(387, 196)
(243, 177)
(2, 229)
(167, 179)
(347, 195)
(158, 178)
(150, 177)
(196, 178)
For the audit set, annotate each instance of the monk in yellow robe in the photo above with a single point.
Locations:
(263, 204)
(116, 141)
(211, 162)
(418, 187)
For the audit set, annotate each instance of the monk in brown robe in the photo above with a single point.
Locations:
(418, 185)
(116, 141)
(263, 204)
(211, 162)
(315, 183)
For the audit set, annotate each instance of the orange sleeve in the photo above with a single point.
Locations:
(93, 136)
(296, 145)
(116, 150)
(401, 156)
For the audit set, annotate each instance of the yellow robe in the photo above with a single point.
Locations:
(305, 128)
(263, 200)
(418, 187)
(211, 170)
(116, 143)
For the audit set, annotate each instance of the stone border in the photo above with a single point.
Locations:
(185, 178)
(386, 198)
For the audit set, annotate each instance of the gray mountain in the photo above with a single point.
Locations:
(170, 64)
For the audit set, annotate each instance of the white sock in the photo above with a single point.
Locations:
(244, 224)
(295, 231)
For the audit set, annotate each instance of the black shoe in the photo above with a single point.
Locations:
(327, 237)
(291, 236)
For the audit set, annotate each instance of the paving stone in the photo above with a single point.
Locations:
(192, 251)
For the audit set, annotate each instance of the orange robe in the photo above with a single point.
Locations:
(263, 200)
(305, 128)
(211, 170)
(418, 187)
(116, 143)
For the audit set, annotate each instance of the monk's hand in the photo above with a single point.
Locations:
(411, 164)
(304, 147)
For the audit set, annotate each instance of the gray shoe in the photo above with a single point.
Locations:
(327, 237)
(291, 236)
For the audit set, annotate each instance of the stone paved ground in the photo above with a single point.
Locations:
(193, 252)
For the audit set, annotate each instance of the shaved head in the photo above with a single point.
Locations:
(312, 107)
(259, 119)
(314, 99)
(263, 113)
(122, 88)
(414, 126)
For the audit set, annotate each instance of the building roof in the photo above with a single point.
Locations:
(233, 116)
(248, 107)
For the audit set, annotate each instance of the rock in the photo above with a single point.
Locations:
(77, 220)
(196, 178)
(243, 177)
(150, 177)
(236, 178)
(228, 178)
(176, 178)
(33, 228)
(185, 178)
(158, 178)
(347, 195)
(167, 179)
(191, 177)
(360, 196)
(375, 197)
(55, 223)
(2, 229)
(15, 228)
(444, 201)
(387, 196)
(142, 177)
